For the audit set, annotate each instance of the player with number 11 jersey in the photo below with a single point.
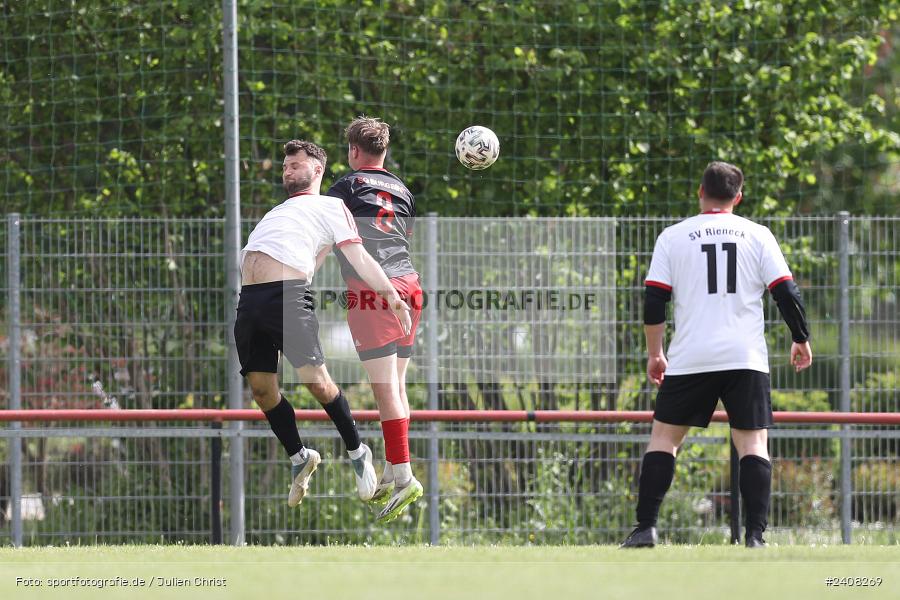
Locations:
(716, 268)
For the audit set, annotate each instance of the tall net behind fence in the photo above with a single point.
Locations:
(602, 108)
(111, 108)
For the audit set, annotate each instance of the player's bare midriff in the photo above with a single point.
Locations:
(259, 267)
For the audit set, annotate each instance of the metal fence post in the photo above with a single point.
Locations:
(843, 222)
(431, 317)
(13, 223)
(232, 269)
(215, 486)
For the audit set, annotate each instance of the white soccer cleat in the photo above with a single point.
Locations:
(301, 474)
(402, 498)
(366, 480)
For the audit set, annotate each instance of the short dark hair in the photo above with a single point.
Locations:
(722, 181)
(371, 134)
(295, 146)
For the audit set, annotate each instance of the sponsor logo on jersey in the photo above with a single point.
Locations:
(394, 187)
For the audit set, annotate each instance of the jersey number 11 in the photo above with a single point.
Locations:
(712, 274)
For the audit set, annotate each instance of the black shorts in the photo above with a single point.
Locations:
(691, 399)
(275, 317)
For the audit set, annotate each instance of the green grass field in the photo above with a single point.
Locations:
(550, 572)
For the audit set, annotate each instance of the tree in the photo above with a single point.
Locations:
(605, 108)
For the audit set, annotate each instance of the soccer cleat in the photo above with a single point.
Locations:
(755, 541)
(403, 497)
(641, 538)
(385, 487)
(366, 480)
(300, 477)
(383, 492)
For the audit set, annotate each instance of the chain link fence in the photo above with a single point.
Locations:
(131, 313)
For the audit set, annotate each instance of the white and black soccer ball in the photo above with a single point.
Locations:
(477, 147)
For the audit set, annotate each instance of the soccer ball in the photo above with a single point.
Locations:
(477, 147)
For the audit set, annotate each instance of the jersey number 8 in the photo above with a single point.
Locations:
(384, 220)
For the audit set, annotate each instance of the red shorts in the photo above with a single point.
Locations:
(376, 331)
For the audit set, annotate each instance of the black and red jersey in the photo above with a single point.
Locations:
(384, 210)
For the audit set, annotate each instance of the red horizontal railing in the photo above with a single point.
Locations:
(468, 416)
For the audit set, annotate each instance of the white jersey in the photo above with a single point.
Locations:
(295, 231)
(717, 266)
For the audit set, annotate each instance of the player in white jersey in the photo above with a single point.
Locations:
(715, 267)
(276, 314)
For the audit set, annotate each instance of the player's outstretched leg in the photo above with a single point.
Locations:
(332, 399)
(385, 484)
(657, 472)
(398, 488)
(755, 481)
(406, 488)
(301, 470)
(402, 497)
(280, 415)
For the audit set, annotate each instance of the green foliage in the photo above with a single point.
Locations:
(111, 107)
(878, 488)
(813, 400)
(114, 107)
(877, 392)
(805, 493)
(699, 501)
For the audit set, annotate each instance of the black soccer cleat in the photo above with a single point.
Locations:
(641, 538)
(755, 541)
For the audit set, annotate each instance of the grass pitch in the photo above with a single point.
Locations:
(392, 573)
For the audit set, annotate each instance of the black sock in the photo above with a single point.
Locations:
(339, 411)
(284, 424)
(657, 471)
(756, 488)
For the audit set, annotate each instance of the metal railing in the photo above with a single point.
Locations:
(520, 483)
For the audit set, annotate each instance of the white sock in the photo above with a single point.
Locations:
(402, 474)
(387, 475)
(300, 457)
(358, 453)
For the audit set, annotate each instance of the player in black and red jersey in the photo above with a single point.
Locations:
(384, 210)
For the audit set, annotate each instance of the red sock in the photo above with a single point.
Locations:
(396, 440)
